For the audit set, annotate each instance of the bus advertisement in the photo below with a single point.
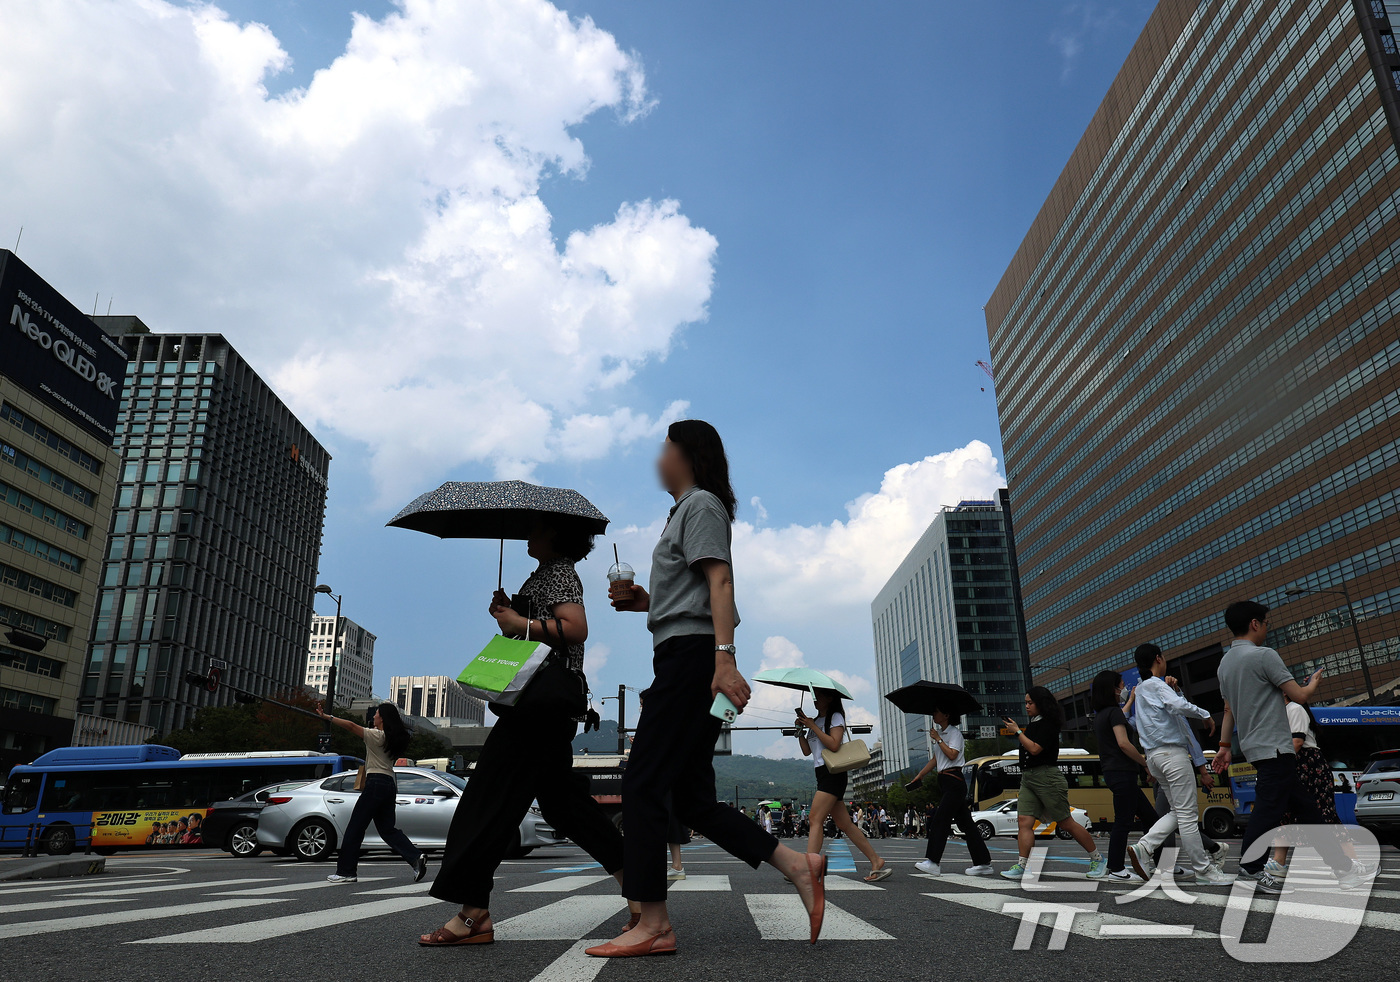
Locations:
(137, 796)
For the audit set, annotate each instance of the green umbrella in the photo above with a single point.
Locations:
(803, 679)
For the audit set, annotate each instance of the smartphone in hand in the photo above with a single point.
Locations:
(723, 708)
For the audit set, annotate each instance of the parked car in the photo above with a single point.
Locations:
(1001, 820)
(1378, 797)
(309, 822)
(233, 825)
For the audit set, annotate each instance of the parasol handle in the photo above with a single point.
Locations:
(501, 568)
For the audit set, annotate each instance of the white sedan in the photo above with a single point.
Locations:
(1001, 820)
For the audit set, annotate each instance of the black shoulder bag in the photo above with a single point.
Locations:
(556, 689)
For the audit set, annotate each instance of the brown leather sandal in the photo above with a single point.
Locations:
(476, 934)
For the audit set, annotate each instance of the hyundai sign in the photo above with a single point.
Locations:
(52, 349)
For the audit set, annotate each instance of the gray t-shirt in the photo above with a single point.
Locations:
(698, 528)
(1250, 677)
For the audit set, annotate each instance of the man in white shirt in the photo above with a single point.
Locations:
(1160, 714)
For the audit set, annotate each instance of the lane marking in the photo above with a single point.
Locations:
(52, 904)
(77, 882)
(409, 888)
(165, 888)
(564, 920)
(1312, 909)
(701, 883)
(86, 923)
(781, 917)
(561, 884)
(573, 965)
(291, 887)
(843, 883)
(277, 927)
(839, 858)
(963, 880)
(575, 869)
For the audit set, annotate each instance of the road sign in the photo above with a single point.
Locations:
(986, 732)
(323, 742)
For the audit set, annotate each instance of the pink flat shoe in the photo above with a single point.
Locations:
(662, 944)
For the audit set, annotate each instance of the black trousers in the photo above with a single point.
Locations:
(952, 807)
(526, 757)
(1130, 808)
(674, 752)
(1277, 791)
(375, 804)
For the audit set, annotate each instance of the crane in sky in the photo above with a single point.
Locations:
(987, 368)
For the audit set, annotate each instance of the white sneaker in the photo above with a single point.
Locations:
(1212, 877)
(924, 866)
(1179, 871)
(978, 871)
(1220, 854)
(1125, 876)
(673, 874)
(337, 878)
(1274, 868)
(1356, 876)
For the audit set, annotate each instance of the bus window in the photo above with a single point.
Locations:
(65, 793)
(22, 794)
(155, 790)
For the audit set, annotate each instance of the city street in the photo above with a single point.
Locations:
(204, 915)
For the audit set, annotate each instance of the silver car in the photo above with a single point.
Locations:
(309, 822)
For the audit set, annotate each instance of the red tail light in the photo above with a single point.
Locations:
(279, 799)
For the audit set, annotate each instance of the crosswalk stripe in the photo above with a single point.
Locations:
(409, 888)
(85, 922)
(564, 920)
(166, 887)
(844, 883)
(1099, 926)
(562, 884)
(72, 883)
(288, 887)
(277, 927)
(701, 883)
(573, 965)
(781, 917)
(980, 882)
(54, 904)
(839, 858)
(1372, 918)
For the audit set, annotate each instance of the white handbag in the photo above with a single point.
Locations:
(849, 756)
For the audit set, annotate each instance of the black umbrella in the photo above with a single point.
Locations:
(924, 697)
(497, 510)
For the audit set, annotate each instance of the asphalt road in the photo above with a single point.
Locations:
(199, 915)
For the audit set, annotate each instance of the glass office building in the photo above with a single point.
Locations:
(1195, 350)
(950, 614)
(214, 543)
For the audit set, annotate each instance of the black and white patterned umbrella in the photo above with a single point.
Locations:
(497, 510)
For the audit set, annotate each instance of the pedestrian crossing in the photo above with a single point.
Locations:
(567, 907)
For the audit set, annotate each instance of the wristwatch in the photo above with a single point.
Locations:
(726, 647)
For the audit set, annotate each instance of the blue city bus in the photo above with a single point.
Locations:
(145, 795)
(1348, 736)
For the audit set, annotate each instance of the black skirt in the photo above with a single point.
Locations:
(833, 784)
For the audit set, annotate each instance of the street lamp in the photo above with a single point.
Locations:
(335, 657)
(1073, 696)
(1298, 591)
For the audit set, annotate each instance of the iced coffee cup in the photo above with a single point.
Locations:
(620, 577)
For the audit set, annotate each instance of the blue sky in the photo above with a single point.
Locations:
(865, 173)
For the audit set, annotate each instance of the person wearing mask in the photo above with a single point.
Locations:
(826, 732)
(1160, 713)
(1044, 793)
(528, 755)
(385, 742)
(692, 618)
(948, 760)
(1121, 764)
(1253, 680)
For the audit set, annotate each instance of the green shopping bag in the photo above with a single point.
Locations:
(503, 669)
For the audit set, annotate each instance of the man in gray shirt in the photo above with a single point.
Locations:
(1254, 680)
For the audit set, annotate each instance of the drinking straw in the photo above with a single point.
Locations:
(616, 561)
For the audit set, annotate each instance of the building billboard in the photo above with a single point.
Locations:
(52, 349)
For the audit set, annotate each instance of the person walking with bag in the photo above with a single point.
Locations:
(1122, 765)
(826, 732)
(948, 760)
(692, 616)
(385, 742)
(529, 752)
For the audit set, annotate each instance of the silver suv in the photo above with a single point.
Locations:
(1378, 797)
(309, 822)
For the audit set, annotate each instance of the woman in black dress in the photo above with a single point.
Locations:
(527, 756)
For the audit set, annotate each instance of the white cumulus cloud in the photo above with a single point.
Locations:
(375, 241)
